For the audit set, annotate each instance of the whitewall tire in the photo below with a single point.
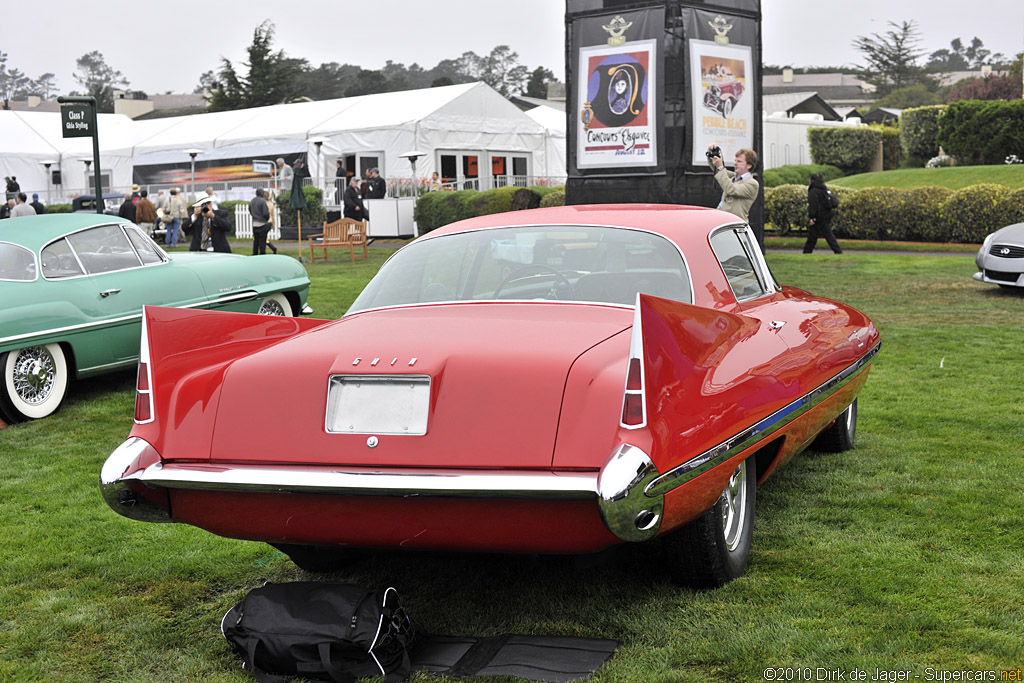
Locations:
(34, 382)
(275, 304)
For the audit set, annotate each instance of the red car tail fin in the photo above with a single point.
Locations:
(669, 340)
(179, 342)
(634, 400)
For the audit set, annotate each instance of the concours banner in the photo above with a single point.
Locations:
(617, 102)
(722, 96)
(617, 119)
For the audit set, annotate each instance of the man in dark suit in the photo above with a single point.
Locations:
(208, 227)
(354, 208)
(376, 187)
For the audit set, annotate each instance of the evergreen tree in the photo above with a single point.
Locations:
(892, 58)
(503, 72)
(99, 80)
(272, 78)
(537, 86)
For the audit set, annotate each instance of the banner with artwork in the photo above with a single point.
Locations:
(616, 122)
(722, 96)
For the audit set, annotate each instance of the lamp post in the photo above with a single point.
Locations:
(192, 153)
(320, 172)
(412, 157)
(88, 163)
(47, 164)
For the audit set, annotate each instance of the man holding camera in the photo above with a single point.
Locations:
(739, 188)
(208, 227)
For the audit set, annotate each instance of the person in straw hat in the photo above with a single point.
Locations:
(208, 227)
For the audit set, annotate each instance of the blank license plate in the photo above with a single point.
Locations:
(372, 404)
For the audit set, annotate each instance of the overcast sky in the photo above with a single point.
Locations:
(140, 44)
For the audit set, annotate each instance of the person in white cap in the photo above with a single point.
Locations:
(284, 176)
(208, 227)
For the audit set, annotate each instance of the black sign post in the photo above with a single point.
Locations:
(78, 120)
(650, 84)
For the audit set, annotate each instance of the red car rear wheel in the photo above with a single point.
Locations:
(713, 549)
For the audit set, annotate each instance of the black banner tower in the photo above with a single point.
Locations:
(648, 86)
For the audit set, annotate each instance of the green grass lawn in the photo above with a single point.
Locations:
(797, 241)
(904, 554)
(955, 177)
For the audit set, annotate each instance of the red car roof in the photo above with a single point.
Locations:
(682, 224)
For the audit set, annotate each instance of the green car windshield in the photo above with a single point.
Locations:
(561, 263)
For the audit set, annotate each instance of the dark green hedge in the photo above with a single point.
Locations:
(973, 212)
(435, 209)
(851, 149)
(892, 150)
(919, 134)
(982, 131)
(58, 208)
(785, 207)
(799, 174)
(868, 214)
(554, 198)
(924, 214)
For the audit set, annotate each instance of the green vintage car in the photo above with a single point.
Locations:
(72, 288)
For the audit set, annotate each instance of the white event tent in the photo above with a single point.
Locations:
(553, 121)
(464, 120)
(466, 131)
(30, 140)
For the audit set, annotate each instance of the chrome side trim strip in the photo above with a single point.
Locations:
(715, 456)
(227, 299)
(71, 328)
(356, 481)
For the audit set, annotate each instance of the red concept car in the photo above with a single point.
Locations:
(550, 381)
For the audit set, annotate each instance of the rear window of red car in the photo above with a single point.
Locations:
(561, 263)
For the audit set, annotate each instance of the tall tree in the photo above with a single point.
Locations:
(271, 77)
(45, 85)
(99, 79)
(503, 72)
(464, 69)
(367, 82)
(948, 60)
(537, 86)
(327, 81)
(892, 58)
(12, 81)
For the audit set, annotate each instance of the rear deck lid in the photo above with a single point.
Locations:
(466, 385)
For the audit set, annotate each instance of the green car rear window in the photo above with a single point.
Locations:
(16, 263)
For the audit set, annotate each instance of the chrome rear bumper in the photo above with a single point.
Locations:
(618, 488)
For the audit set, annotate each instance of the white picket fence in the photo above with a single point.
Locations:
(243, 223)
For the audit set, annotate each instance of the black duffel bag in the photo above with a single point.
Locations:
(323, 631)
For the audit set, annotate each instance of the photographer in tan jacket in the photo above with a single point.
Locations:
(739, 188)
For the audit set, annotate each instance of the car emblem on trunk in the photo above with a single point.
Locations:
(375, 361)
(372, 442)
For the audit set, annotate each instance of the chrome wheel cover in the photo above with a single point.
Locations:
(271, 307)
(734, 507)
(34, 375)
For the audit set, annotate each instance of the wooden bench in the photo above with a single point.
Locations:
(346, 232)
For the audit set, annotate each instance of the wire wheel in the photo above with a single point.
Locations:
(275, 304)
(34, 382)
